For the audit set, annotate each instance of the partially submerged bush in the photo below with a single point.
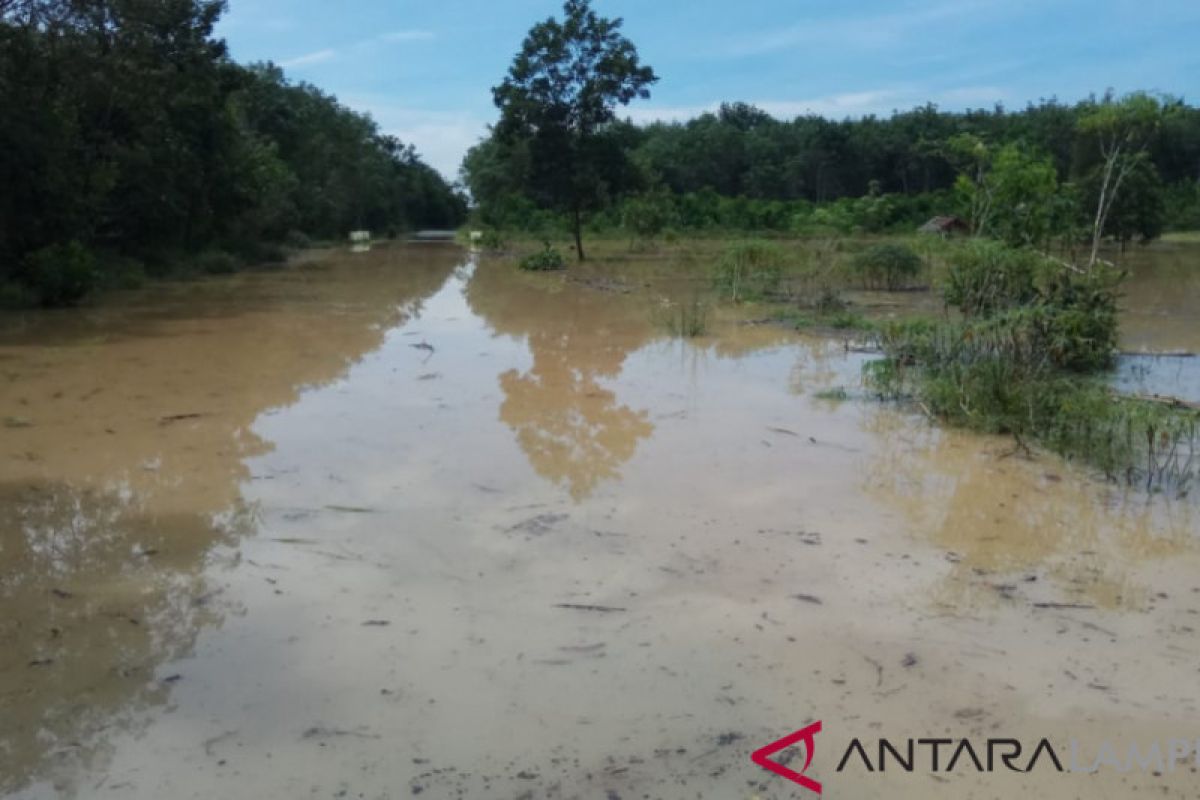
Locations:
(1028, 370)
(888, 265)
(546, 259)
(749, 270)
(492, 241)
(987, 276)
(61, 274)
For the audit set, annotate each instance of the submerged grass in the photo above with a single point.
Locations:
(836, 394)
(1030, 362)
(686, 319)
(842, 320)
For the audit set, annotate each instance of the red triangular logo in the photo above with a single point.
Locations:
(762, 756)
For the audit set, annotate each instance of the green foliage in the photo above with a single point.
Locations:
(739, 169)
(16, 295)
(987, 276)
(216, 262)
(128, 129)
(1138, 210)
(837, 394)
(1181, 203)
(647, 215)
(256, 252)
(493, 241)
(298, 240)
(121, 272)
(60, 274)
(888, 265)
(556, 141)
(1118, 132)
(546, 259)
(827, 320)
(1022, 363)
(1010, 192)
(749, 270)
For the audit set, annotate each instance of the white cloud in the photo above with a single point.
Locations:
(319, 57)
(880, 102)
(407, 36)
(860, 31)
(441, 138)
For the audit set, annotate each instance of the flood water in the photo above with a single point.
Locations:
(406, 522)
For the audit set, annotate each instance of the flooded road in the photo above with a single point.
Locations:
(404, 523)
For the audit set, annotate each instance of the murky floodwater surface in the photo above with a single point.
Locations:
(402, 523)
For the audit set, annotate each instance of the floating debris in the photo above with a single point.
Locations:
(586, 607)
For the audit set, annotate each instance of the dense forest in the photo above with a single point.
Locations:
(131, 144)
(741, 168)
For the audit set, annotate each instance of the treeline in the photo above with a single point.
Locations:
(131, 143)
(742, 168)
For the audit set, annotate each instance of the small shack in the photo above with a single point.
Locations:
(945, 226)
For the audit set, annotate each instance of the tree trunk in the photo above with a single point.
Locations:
(579, 234)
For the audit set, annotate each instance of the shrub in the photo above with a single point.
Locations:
(493, 241)
(122, 272)
(988, 276)
(256, 251)
(888, 265)
(648, 215)
(829, 301)
(216, 262)
(749, 270)
(1025, 370)
(61, 274)
(15, 295)
(546, 259)
(297, 240)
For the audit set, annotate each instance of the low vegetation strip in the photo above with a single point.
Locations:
(1029, 358)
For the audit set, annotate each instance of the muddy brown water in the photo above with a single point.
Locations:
(407, 523)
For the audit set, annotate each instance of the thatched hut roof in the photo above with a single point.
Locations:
(944, 225)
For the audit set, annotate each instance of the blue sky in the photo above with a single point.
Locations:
(424, 69)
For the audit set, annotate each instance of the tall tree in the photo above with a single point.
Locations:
(1122, 130)
(560, 98)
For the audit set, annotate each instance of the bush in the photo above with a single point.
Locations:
(888, 265)
(648, 215)
(216, 262)
(61, 274)
(122, 272)
(749, 270)
(256, 251)
(988, 276)
(1025, 369)
(546, 259)
(16, 295)
(297, 240)
(1081, 327)
(493, 241)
